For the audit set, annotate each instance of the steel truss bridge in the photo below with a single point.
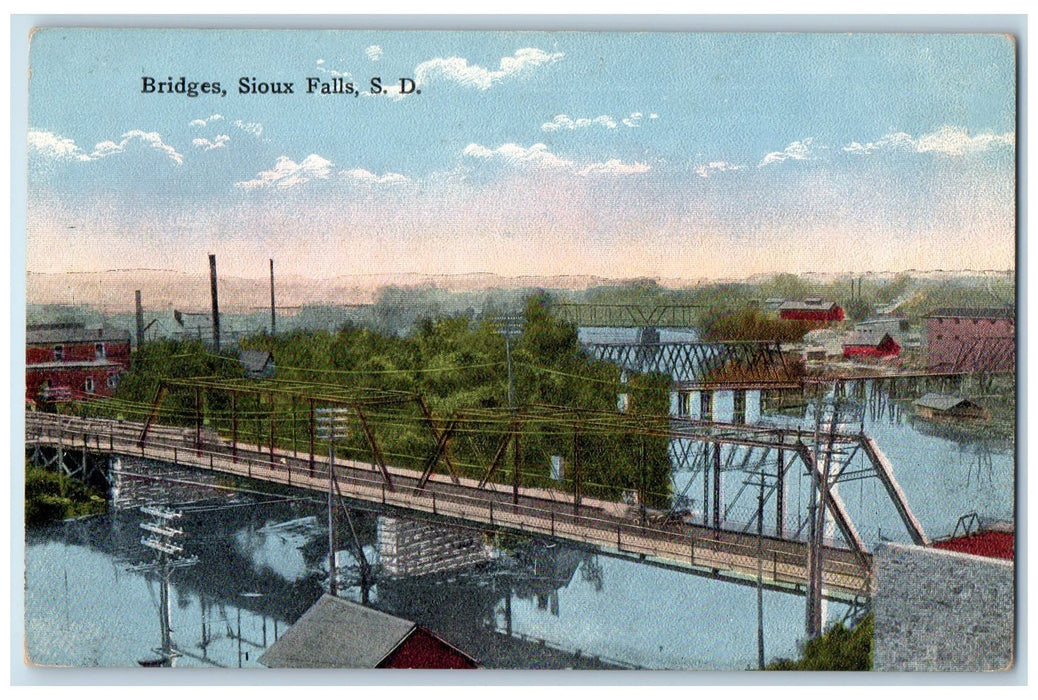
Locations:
(728, 365)
(712, 542)
(627, 315)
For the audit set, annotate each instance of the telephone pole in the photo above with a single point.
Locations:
(216, 303)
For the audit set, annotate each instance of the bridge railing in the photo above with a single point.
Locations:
(540, 514)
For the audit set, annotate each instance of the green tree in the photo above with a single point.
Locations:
(839, 649)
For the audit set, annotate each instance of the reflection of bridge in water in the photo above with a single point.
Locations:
(707, 544)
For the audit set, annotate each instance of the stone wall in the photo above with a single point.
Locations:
(941, 611)
(414, 548)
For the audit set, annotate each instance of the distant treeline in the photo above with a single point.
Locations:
(397, 310)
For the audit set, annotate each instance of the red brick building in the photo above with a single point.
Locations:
(971, 340)
(68, 361)
(814, 309)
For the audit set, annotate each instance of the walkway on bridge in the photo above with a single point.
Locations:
(611, 527)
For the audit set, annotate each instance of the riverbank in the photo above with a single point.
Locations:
(53, 496)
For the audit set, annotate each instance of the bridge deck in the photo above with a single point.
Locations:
(604, 525)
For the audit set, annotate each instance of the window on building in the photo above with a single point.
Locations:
(112, 381)
(100, 351)
(59, 353)
(88, 385)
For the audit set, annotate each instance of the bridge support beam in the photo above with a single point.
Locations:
(739, 406)
(717, 486)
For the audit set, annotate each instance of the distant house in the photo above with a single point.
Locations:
(971, 340)
(258, 364)
(947, 407)
(68, 361)
(870, 342)
(812, 309)
(337, 633)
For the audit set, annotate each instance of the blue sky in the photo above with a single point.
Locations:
(659, 155)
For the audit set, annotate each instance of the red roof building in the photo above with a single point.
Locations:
(68, 361)
(338, 633)
(994, 544)
(870, 343)
(814, 309)
(971, 340)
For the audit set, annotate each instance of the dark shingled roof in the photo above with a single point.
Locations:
(61, 333)
(979, 312)
(870, 337)
(942, 402)
(812, 304)
(255, 361)
(337, 633)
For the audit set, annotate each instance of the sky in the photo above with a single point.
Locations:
(663, 155)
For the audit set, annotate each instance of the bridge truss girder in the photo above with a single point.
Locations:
(627, 315)
(718, 365)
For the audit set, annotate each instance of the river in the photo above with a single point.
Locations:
(532, 604)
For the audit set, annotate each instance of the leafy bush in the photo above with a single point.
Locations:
(52, 496)
(839, 649)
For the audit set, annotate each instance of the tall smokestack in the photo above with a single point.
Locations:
(140, 318)
(216, 303)
(273, 319)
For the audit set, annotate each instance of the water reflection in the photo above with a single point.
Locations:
(262, 564)
(535, 605)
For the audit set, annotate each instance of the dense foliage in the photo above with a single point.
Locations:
(53, 496)
(839, 649)
(458, 367)
(752, 324)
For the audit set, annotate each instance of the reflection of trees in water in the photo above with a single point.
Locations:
(591, 572)
(472, 607)
(981, 467)
(882, 404)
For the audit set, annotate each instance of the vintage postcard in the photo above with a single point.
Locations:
(520, 350)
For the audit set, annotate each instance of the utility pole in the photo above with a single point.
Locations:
(216, 303)
(332, 424)
(164, 539)
(760, 575)
(814, 611)
(273, 318)
(511, 326)
(140, 318)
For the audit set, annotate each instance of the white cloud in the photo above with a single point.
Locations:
(61, 148)
(614, 167)
(149, 139)
(202, 122)
(374, 52)
(220, 141)
(331, 71)
(634, 120)
(948, 140)
(563, 122)
(538, 157)
(798, 150)
(717, 166)
(254, 128)
(286, 173)
(54, 146)
(361, 175)
(458, 70)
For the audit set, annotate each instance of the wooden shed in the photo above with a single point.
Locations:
(949, 407)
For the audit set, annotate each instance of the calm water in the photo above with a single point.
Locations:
(536, 606)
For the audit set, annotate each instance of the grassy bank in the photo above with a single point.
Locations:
(52, 496)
